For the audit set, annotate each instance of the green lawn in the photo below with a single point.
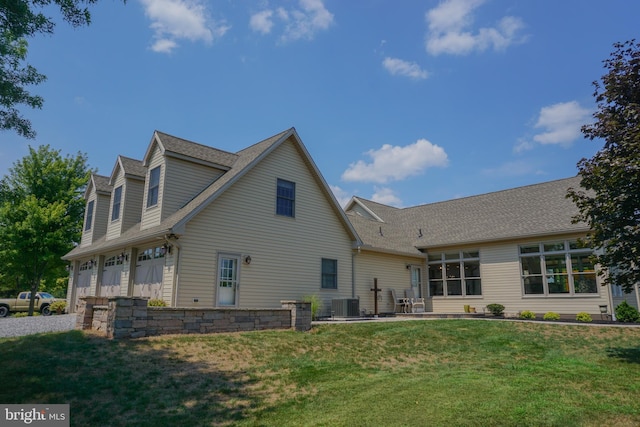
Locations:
(412, 373)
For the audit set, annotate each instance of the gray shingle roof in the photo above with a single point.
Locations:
(101, 183)
(534, 210)
(132, 167)
(196, 151)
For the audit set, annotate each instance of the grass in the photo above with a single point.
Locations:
(437, 373)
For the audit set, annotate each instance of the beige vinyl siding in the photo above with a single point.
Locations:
(391, 272)
(151, 216)
(114, 228)
(182, 181)
(362, 212)
(286, 252)
(132, 197)
(100, 216)
(502, 284)
(168, 275)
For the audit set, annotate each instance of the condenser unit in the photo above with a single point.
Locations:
(346, 307)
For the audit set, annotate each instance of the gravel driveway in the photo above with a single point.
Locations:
(19, 326)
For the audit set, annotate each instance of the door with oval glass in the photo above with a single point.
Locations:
(228, 279)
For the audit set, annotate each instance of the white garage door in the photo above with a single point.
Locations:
(83, 281)
(111, 275)
(148, 274)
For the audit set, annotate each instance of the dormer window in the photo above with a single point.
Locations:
(117, 198)
(89, 219)
(154, 187)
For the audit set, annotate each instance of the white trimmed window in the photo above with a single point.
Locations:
(329, 273)
(89, 220)
(557, 269)
(286, 198)
(154, 187)
(117, 199)
(454, 274)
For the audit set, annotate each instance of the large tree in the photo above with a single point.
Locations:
(41, 214)
(19, 21)
(609, 200)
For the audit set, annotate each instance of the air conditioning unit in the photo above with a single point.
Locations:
(347, 307)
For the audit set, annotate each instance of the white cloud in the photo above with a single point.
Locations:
(561, 123)
(523, 145)
(262, 22)
(342, 196)
(399, 67)
(174, 20)
(450, 29)
(393, 163)
(300, 23)
(386, 196)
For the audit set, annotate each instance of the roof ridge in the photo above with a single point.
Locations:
(210, 147)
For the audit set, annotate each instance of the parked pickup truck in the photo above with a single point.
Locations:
(21, 303)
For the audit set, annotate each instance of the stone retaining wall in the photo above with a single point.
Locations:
(129, 317)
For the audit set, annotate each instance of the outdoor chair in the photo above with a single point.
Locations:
(414, 302)
(402, 303)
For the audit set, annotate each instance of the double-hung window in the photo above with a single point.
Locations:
(329, 273)
(557, 268)
(89, 220)
(117, 199)
(454, 274)
(154, 187)
(286, 198)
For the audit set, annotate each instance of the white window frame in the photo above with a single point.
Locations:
(117, 203)
(545, 249)
(451, 257)
(154, 188)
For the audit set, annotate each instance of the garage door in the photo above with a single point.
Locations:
(148, 274)
(111, 275)
(83, 281)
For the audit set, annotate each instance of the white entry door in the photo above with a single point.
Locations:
(148, 274)
(228, 280)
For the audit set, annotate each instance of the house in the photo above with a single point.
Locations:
(200, 227)
(517, 247)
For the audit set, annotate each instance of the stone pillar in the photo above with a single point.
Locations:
(300, 314)
(84, 316)
(127, 317)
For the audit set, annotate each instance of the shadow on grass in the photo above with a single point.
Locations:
(122, 383)
(629, 354)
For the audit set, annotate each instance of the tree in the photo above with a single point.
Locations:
(609, 200)
(20, 20)
(41, 215)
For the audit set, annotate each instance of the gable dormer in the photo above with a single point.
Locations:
(97, 195)
(177, 170)
(125, 207)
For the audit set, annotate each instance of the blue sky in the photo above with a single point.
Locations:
(401, 102)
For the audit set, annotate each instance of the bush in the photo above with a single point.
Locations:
(583, 316)
(58, 307)
(526, 314)
(25, 314)
(496, 309)
(315, 304)
(156, 303)
(626, 313)
(551, 316)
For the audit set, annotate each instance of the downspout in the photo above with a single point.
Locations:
(176, 275)
(353, 272)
